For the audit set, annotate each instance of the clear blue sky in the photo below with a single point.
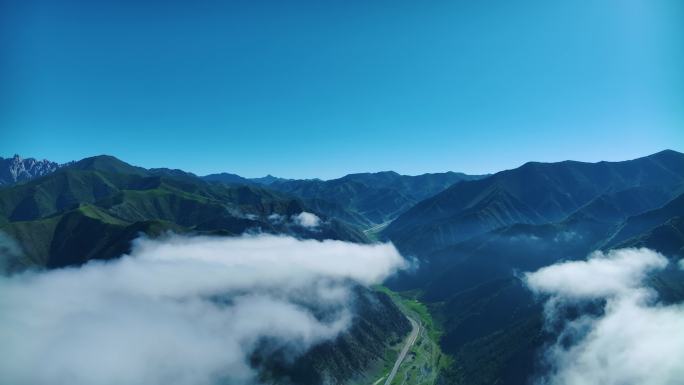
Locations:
(322, 88)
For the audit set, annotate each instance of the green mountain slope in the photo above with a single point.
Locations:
(95, 207)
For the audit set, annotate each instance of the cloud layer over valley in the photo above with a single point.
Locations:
(619, 333)
(181, 310)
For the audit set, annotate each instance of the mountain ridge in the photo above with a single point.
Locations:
(540, 192)
(118, 201)
(18, 169)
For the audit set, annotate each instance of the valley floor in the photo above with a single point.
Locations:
(374, 232)
(421, 358)
(415, 330)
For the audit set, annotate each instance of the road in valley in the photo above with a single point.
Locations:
(377, 228)
(415, 331)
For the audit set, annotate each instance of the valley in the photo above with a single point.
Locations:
(410, 341)
(420, 359)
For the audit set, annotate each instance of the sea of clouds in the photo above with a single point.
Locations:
(181, 310)
(633, 338)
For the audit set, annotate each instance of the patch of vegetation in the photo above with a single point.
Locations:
(425, 360)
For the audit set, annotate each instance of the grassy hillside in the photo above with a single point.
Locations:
(95, 207)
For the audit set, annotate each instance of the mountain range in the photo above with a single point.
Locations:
(470, 235)
(373, 198)
(94, 207)
(18, 169)
(539, 193)
(474, 238)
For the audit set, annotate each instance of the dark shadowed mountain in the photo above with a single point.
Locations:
(667, 216)
(17, 169)
(537, 193)
(475, 237)
(490, 317)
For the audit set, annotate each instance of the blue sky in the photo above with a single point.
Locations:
(324, 88)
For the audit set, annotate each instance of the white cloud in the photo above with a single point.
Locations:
(567, 236)
(633, 340)
(275, 218)
(181, 310)
(601, 275)
(307, 220)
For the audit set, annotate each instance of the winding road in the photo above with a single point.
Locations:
(415, 330)
(377, 227)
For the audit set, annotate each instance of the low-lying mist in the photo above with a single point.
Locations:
(181, 310)
(619, 333)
